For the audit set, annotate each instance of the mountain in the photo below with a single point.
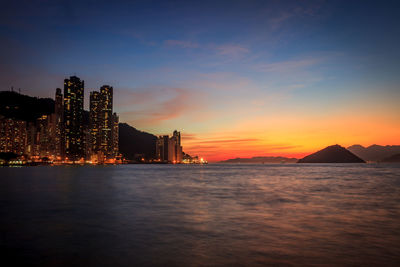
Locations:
(261, 160)
(23, 107)
(332, 154)
(28, 108)
(394, 158)
(133, 141)
(374, 152)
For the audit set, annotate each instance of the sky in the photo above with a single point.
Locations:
(237, 78)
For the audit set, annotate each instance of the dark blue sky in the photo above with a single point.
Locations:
(175, 62)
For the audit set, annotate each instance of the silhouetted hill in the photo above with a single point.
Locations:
(374, 152)
(261, 160)
(394, 158)
(133, 141)
(23, 107)
(332, 154)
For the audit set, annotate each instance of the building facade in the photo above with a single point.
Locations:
(59, 124)
(12, 136)
(103, 125)
(115, 135)
(106, 144)
(95, 122)
(169, 149)
(73, 118)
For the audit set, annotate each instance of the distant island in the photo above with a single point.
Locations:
(332, 154)
(261, 160)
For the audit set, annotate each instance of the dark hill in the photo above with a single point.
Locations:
(332, 154)
(374, 152)
(23, 107)
(394, 158)
(133, 141)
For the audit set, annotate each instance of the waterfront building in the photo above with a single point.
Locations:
(12, 136)
(59, 124)
(115, 135)
(45, 127)
(73, 118)
(178, 148)
(169, 149)
(106, 114)
(32, 141)
(94, 122)
(103, 125)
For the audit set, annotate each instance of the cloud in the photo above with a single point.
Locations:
(231, 50)
(181, 43)
(231, 141)
(286, 66)
(160, 105)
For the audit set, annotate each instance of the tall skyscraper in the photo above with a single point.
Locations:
(106, 143)
(95, 122)
(103, 125)
(73, 118)
(178, 148)
(115, 134)
(59, 121)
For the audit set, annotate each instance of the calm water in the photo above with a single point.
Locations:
(214, 215)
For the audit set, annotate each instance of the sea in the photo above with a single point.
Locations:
(201, 215)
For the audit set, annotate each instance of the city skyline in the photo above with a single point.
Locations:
(239, 79)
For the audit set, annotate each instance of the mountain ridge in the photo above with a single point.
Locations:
(332, 154)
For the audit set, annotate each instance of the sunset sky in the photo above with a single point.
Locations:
(237, 78)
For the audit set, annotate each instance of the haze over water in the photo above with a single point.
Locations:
(210, 215)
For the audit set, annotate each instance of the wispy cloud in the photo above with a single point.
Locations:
(230, 141)
(286, 66)
(181, 43)
(231, 50)
(160, 105)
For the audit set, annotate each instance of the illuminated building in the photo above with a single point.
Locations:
(106, 115)
(32, 140)
(169, 149)
(45, 133)
(94, 123)
(115, 135)
(42, 138)
(178, 148)
(59, 124)
(103, 125)
(12, 136)
(73, 118)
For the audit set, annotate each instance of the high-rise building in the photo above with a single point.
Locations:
(106, 143)
(103, 125)
(115, 134)
(73, 118)
(169, 149)
(12, 136)
(59, 124)
(33, 145)
(95, 122)
(178, 148)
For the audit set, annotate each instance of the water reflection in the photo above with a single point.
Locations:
(202, 215)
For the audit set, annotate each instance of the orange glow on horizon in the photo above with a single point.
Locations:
(291, 137)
